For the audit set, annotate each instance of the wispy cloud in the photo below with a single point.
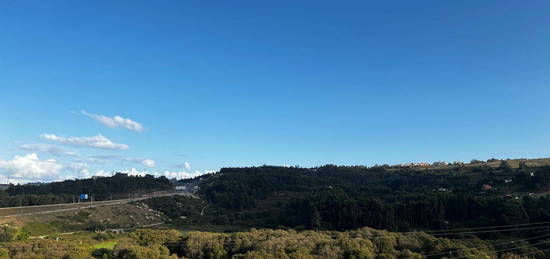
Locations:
(45, 148)
(98, 141)
(103, 158)
(144, 161)
(187, 166)
(115, 121)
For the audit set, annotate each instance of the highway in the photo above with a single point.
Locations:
(9, 212)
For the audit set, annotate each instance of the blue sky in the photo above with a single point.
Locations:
(243, 83)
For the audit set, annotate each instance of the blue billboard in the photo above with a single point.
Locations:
(83, 196)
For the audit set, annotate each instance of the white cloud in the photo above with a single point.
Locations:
(44, 148)
(187, 166)
(98, 141)
(148, 162)
(134, 172)
(115, 121)
(96, 159)
(84, 173)
(102, 173)
(30, 167)
(101, 159)
(183, 175)
(167, 174)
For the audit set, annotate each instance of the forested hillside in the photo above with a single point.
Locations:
(393, 198)
(452, 211)
(100, 188)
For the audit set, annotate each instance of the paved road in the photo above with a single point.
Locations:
(52, 208)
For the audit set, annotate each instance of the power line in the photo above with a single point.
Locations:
(412, 234)
(539, 251)
(491, 231)
(466, 230)
(397, 236)
(508, 249)
(495, 244)
(488, 227)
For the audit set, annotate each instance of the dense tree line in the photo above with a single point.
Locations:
(239, 188)
(32, 199)
(401, 199)
(100, 188)
(338, 210)
(364, 243)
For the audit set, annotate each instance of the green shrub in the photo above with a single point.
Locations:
(6, 233)
(103, 236)
(39, 229)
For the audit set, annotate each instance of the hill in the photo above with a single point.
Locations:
(477, 210)
(393, 198)
(118, 186)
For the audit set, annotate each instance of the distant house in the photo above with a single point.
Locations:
(414, 164)
(422, 164)
(439, 163)
(510, 197)
(486, 187)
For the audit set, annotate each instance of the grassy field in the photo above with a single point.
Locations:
(107, 245)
